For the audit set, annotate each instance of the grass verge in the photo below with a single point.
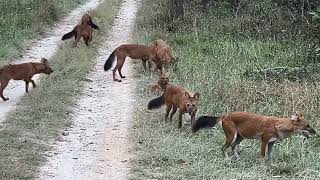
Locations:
(42, 114)
(22, 21)
(212, 62)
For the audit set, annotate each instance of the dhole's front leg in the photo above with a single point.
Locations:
(174, 110)
(264, 147)
(27, 85)
(4, 84)
(180, 119)
(33, 83)
(168, 109)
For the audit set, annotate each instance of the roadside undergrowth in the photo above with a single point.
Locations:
(43, 113)
(213, 58)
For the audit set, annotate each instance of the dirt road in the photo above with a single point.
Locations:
(44, 47)
(97, 144)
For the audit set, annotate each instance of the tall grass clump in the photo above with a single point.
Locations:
(218, 44)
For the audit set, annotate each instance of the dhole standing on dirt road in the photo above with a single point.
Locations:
(24, 71)
(83, 29)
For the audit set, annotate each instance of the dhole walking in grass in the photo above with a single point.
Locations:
(176, 97)
(245, 125)
(83, 29)
(24, 71)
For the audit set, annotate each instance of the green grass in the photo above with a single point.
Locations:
(21, 21)
(42, 114)
(212, 61)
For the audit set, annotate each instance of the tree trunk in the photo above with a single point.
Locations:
(179, 7)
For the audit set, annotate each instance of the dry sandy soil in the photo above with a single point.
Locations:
(96, 147)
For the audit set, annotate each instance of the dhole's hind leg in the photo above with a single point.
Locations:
(3, 85)
(86, 40)
(144, 64)
(270, 145)
(120, 73)
(168, 109)
(120, 62)
(231, 136)
(76, 40)
(174, 110)
(235, 144)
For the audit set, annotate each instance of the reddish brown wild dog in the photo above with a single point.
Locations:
(134, 51)
(164, 54)
(245, 125)
(24, 71)
(83, 29)
(176, 97)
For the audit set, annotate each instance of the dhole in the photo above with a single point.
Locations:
(164, 54)
(162, 83)
(24, 71)
(176, 97)
(134, 51)
(245, 125)
(83, 29)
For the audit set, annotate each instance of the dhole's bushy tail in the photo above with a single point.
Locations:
(205, 122)
(93, 25)
(69, 34)
(110, 61)
(156, 103)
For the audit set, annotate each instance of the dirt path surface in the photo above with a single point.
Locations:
(97, 144)
(45, 47)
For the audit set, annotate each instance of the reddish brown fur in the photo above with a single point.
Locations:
(177, 97)
(84, 31)
(24, 71)
(164, 54)
(162, 83)
(268, 129)
(134, 51)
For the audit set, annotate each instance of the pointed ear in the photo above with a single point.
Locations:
(44, 61)
(197, 96)
(187, 95)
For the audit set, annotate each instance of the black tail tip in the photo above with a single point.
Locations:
(204, 122)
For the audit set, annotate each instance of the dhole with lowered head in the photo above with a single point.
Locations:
(24, 71)
(245, 125)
